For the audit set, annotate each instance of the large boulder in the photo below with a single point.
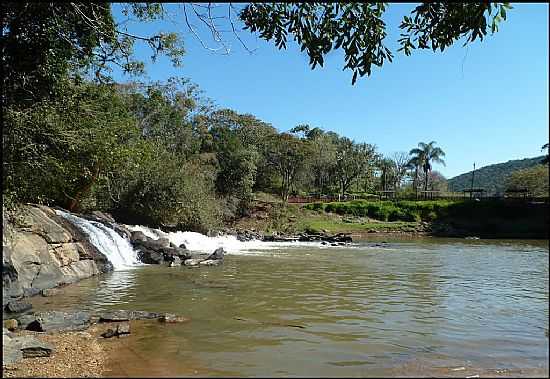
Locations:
(42, 250)
(159, 251)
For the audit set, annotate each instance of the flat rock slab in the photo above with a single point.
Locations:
(117, 316)
(55, 320)
(32, 347)
(16, 348)
(18, 307)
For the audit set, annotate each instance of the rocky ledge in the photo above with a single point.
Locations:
(42, 251)
(333, 239)
(162, 251)
(17, 346)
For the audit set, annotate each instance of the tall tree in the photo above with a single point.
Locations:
(387, 169)
(287, 156)
(351, 158)
(426, 153)
(400, 162)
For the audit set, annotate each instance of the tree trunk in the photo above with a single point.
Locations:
(426, 178)
(74, 203)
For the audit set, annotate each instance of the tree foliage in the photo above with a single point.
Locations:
(359, 29)
(533, 179)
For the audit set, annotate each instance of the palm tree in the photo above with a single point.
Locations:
(426, 154)
(387, 166)
(414, 164)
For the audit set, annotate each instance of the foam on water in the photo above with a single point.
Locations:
(117, 249)
(199, 242)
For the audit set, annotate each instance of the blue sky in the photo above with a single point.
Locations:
(487, 102)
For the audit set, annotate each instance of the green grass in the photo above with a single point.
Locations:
(337, 226)
(485, 218)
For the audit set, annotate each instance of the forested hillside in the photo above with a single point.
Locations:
(493, 177)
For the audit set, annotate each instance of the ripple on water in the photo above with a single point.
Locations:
(360, 310)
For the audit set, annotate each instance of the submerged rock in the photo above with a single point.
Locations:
(172, 318)
(122, 315)
(51, 292)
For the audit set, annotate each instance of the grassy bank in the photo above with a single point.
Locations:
(488, 218)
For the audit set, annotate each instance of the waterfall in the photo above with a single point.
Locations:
(117, 249)
(201, 243)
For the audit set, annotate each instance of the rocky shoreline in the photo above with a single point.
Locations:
(41, 335)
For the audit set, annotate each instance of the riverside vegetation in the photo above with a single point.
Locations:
(162, 154)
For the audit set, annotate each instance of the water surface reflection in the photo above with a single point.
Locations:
(357, 311)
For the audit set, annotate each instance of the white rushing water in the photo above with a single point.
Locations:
(117, 249)
(199, 242)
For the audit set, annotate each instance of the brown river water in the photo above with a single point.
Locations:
(409, 307)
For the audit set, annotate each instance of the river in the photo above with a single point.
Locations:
(404, 307)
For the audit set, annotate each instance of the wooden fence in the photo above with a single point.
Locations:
(381, 197)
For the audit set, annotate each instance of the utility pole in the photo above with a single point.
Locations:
(473, 176)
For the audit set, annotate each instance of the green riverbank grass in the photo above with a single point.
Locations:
(486, 218)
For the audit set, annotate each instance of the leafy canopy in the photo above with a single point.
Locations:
(359, 30)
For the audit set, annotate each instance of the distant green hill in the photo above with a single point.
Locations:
(492, 178)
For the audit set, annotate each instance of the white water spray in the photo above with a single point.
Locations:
(117, 249)
(201, 243)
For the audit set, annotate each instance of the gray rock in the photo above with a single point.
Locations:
(218, 254)
(108, 333)
(103, 216)
(138, 236)
(192, 262)
(123, 328)
(41, 223)
(55, 320)
(51, 292)
(11, 352)
(122, 315)
(6, 332)
(18, 307)
(176, 262)
(32, 347)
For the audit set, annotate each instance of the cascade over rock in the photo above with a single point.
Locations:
(41, 250)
